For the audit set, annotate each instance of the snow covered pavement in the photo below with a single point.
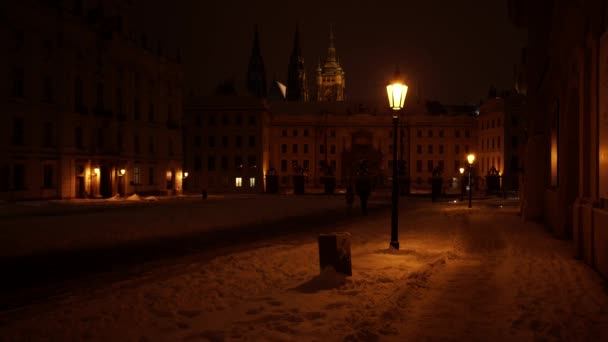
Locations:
(462, 274)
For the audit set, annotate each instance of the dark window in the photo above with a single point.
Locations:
(441, 165)
(170, 147)
(440, 149)
(333, 133)
(498, 122)
(150, 176)
(493, 123)
(18, 132)
(5, 177)
(322, 149)
(332, 149)
(18, 82)
(211, 120)
(136, 148)
(211, 141)
(252, 161)
(284, 133)
(224, 163)
(419, 133)
(441, 133)
(457, 166)
(498, 142)
(238, 119)
(198, 121)
(78, 95)
(225, 120)
(251, 120)
(224, 141)
(18, 176)
(47, 134)
(239, 141)
(457, 149)
(120, 110)
(119, 140)
(238, 162)
(78, 137)
(47, 88)
(283, 148)
(198, 164)
(151, 144)
(467, 133)
(429, 149)
(136, 109)
(514, 163)
(47, 176)
(457, 133)
(283, 165)
(430, 133)
(100, 100)
(390, 148)
(466, 148)
(151, 112)
(100, 137)
(333, 164)
(514, 141)
(295, 132)
(294, 148)
(306, 164)
(514, 120)
(251, 141)
(429, 165)
(419, 149)
(305, 132)
(211, 163)
(305, 148)
(418, 165)
(197, 141)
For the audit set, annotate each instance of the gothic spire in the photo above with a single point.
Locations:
(256, 73)
(297, 90)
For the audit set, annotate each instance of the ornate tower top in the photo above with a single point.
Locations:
(256, 73)
(330, 77)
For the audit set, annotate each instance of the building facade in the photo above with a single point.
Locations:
(226, 144)
(330, 81)
(90, 109)
(566, 154)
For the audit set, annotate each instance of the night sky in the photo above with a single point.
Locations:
(452, 50)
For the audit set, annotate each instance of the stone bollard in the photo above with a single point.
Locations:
(334, 250)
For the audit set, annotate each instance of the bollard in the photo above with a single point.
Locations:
(334, 250)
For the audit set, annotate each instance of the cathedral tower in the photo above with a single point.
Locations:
(330, 76)
(297, 89)
(256, 73)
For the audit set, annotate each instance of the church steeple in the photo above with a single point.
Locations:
(297, 90)
(330, 78)
(256, 73)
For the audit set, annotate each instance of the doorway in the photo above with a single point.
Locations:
(80, 191)
(105, 182)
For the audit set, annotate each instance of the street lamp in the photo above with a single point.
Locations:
(470, 159)
(396, 98)
(461, 184)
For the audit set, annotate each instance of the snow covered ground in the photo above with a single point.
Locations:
(462, 274)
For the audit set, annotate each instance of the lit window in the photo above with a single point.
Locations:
(238, 182)
(252, 182)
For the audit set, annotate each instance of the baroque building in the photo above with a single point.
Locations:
(91, 109)
(565, 157)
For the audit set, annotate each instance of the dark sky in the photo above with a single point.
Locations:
(452, 50)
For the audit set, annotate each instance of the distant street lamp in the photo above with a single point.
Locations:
(471, 159)
(461, 183)
(396, 98)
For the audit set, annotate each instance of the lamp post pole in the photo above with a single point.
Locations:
(461, 170)
(395, 197)
(396, 98)
(470, 185)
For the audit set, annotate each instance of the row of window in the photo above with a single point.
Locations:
(467, 133)
(487, 124)
(305, 149)
(430, 165)
(224, 163)
(225, 141)
(495, 143)
(332, 133)
(225, 120)
(15, 180)
(48, 95)
(305, 165)
(441, 149)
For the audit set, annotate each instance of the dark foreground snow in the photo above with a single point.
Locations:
(461, 274)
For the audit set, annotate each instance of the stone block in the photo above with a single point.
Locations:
(334, 250)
